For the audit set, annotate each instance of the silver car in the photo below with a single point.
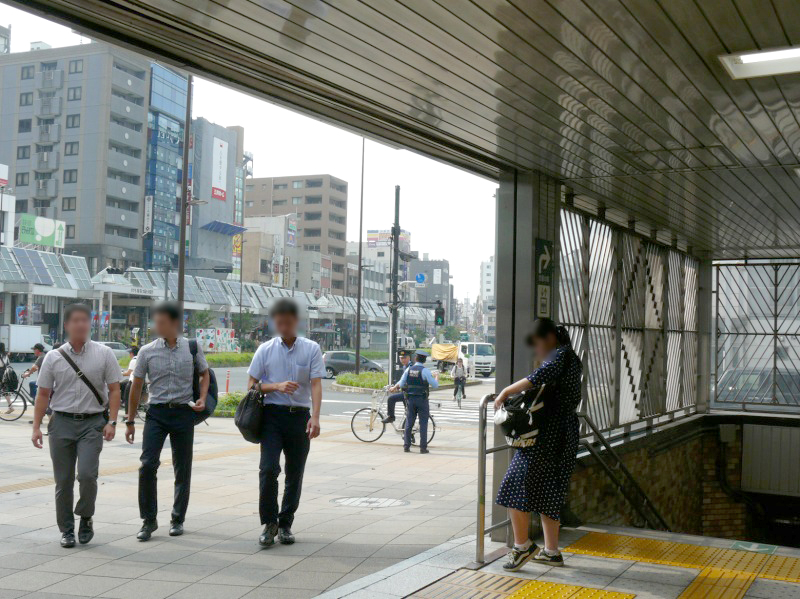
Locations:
(120, 349)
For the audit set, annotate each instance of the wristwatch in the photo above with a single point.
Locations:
(130, 422)
(112, 422)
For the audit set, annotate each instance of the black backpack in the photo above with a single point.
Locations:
(10, 380)
(213, 390)
(523, 415)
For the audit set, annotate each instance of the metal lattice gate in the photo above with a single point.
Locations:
(757, 334)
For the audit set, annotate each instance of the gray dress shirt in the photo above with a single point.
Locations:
(71, 394)
(169, 370)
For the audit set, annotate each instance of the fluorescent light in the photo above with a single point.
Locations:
(762, 64)
(797, 171)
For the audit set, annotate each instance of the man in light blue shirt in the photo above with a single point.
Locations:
(289, 371)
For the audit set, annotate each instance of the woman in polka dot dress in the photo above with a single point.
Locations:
(538, 477)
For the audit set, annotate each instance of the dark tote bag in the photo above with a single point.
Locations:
(250, 415)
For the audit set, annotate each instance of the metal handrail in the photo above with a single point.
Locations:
(483, 452)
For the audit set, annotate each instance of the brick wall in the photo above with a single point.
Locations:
(677, 470)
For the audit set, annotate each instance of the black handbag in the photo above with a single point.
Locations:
(523, 415)
(249, 415)
(213, 389)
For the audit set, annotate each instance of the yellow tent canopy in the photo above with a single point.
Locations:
(444, 352)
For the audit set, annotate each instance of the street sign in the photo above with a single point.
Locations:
(38, 230)
(544, 278)
(420, 278)
(754, 547)
(147, 227)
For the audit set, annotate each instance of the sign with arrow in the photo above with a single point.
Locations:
(37, 230)
(544, 278)
(754, 547)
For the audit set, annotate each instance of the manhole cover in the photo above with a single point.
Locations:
(373, 502)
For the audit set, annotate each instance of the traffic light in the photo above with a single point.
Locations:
(439, 317)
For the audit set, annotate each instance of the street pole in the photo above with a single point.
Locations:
(360, 253)
(184, 194)
(166, 281)
(395, 285)
(241, 290)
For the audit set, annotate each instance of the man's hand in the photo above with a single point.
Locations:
(394, 389)
(436, 374)
(36, 437)
(26, 374)
(200, 405)
(109, 432)
(130, 433)
(312, 428)
(288, 387)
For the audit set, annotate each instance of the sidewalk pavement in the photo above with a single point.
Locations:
(414, 503)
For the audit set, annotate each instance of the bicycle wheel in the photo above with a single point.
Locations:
(415, 436)
(459, 397)
(17, 408)
(431, 429)
(367, 425)
(141, 410)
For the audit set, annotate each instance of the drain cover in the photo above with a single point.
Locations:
(373, 502)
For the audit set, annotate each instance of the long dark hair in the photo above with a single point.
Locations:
(544, 327)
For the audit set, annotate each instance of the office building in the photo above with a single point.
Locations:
(487, 281)
(5, 40)
(74, 125)
(437, 283)
(320, 205)
(374, 277)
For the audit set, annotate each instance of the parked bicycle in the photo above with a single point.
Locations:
(367, 423)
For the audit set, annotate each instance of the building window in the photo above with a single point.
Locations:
(26, 99)
(76, 66)
(277, 186)
(74, 93)
(279, 203)
(313, 216)
(27, 72)
(381, 254)
(313, 232)
(49, 66)
(313, 199)
(73, 121)
(313, 182)
(23, 152)
(23, 179)
(71, 175)
(24, 126)
(297, 185)
(68, 204)
(70, 231)
(297, 201)
(71, 148)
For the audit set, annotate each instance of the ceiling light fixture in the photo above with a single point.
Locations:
(743, 65)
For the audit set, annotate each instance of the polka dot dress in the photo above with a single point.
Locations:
(537, 479)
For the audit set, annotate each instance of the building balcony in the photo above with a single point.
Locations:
(127, 110)
(49, 134)
(121, 189)
(50, 80)
(128, 83)
(46, 189)
(48, 107)
(123, 218)
(45, 161)
(124, 163)
(128, 137)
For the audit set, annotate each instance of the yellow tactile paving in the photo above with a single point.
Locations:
(719, 583)
(684, 555)
(587, 593)
(779, 567)
(739, 561)
(545, 590)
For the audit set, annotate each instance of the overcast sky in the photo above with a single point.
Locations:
(450, 213)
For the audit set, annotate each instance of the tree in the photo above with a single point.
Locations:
(452, 333)
(200, 319)
(419, 337)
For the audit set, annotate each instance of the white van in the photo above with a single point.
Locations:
(480, 357)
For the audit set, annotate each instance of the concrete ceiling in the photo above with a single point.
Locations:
(625, 101)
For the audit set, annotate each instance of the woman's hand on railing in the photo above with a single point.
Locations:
(500, 400)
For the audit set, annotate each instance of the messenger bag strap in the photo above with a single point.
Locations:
(81, 375)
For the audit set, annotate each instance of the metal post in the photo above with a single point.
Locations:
(618, 287)
(481, 540)
(775, 337)
(360, 269)
(395, 284)
(241, 291)
(184, 192)
(166, 281)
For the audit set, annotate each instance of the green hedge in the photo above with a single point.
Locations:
(226, 406)
(375, 380)
(221, 360)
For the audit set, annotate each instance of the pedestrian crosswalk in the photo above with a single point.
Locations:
(445, 411)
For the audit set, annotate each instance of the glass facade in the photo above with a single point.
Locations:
(165, 132)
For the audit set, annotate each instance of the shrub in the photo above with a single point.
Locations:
(226, 406)
(366, 380)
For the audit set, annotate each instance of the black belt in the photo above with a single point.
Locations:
(290, 409)
(170, 404)
(78, 416)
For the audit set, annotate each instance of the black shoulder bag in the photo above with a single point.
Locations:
(213, 390)
(85, 380)
(250, 414)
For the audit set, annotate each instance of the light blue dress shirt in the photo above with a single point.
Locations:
(275, 362)
(426, 374)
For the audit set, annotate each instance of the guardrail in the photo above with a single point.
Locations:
(483, 453)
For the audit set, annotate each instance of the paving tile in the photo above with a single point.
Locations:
(69, 565)
(211, 591)
(326, 564)
(576, 577)
(285, 593)
(773, 589)
(181, 572)
(23, 560)
(122, 569)
(82, 585)
(8, 594)
(152, 589)
(241, 574)
(645, 589)
(318, 581)
(30, 581)
(408, 581)
(661, 574)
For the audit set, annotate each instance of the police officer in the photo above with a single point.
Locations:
(397, 393)
(417, 381)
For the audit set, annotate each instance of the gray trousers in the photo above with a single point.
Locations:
(75, 442)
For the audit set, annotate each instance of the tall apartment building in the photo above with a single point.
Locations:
(73, 124)
(5, 39)
(487, 281)
(320, 203)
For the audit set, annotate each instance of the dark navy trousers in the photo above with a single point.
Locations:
(417, 407)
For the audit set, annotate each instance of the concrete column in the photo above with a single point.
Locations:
(705, 334)
(527, 208)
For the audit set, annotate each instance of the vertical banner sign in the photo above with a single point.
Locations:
(147, 226)
(286, 272)
(219, 169)
(437, 276)
(291, 233)
(544, 278)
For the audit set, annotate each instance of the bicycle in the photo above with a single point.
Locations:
(368, 426)
(19, 403)
(141, 408)
(459, 394)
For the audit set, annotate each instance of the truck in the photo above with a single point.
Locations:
(19, 340)
(479, 358)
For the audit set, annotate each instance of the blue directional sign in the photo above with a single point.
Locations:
(420, 278)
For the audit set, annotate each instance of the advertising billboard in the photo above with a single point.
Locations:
(3, 175)
(291, 233)
(383, 238)
(219, 170)
(38, 230)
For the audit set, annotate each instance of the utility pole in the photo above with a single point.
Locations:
(184, 193)
(394, 286)
(166, 281)
(360, 269)
(241, 291)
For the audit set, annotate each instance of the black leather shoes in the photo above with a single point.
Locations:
(68, 540)
(285, 536)
(267, 538)
(424, 451)
(148, 528)
(388, 420)
(407, 449)
(176, 529)
(85, 531)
